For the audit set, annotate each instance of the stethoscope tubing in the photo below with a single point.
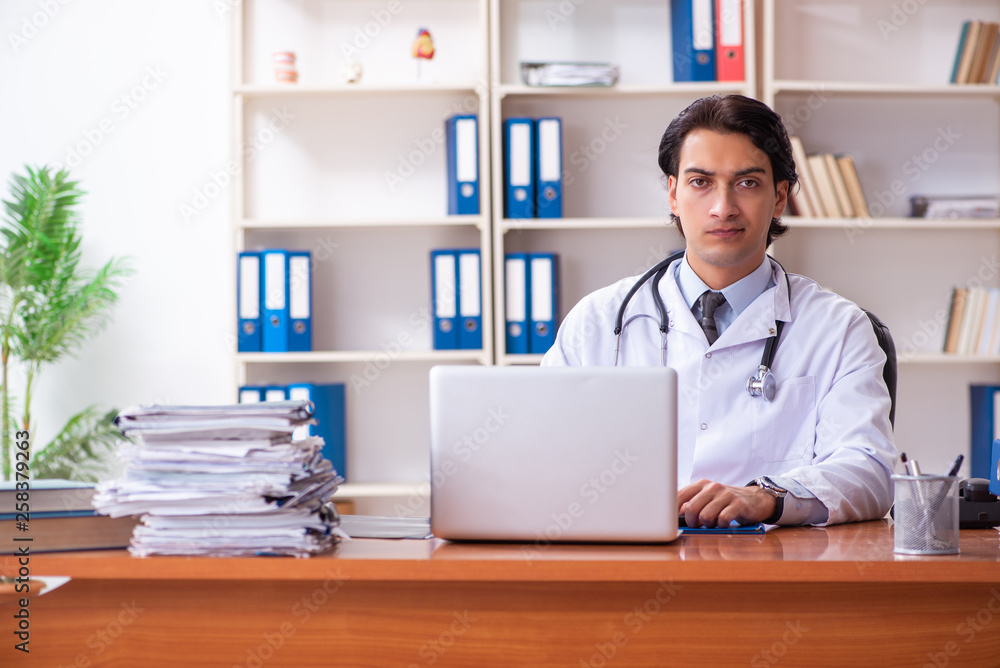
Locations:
(760, 384)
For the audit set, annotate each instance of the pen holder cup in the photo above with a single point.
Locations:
(925, 514)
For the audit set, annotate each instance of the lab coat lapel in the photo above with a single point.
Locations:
(757, 322)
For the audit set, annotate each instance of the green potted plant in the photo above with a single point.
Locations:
(49, 307)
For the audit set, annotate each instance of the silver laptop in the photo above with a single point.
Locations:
(545, 455)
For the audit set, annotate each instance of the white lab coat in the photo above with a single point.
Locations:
(828, 427)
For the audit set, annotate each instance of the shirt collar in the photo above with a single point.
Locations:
(739, 295)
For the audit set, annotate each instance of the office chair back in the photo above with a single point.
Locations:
(889, 371)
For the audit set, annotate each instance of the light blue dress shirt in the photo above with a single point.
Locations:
(738, 296)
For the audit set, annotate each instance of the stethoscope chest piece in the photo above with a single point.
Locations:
(762, 384)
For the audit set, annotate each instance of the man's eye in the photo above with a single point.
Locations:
(748, 183)
(697, 183)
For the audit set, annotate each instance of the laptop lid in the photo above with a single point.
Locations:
(546, 454)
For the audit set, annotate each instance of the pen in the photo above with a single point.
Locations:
(912, 468)
(954, 467)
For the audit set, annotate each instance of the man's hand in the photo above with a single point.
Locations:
(712, 504)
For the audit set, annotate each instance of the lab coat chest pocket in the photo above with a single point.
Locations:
(785, 428)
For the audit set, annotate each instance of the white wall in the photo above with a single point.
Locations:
(134, 96)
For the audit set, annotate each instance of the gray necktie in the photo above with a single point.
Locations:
(708, 302)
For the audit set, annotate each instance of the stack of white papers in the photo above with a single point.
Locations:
(569, 74)
(223, 481)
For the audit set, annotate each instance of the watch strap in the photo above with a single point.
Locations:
(779, 508)
(774, 490)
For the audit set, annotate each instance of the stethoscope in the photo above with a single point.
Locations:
(761, 384)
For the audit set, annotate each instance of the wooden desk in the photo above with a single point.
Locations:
(795, 597)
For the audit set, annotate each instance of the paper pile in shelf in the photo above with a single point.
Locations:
(569, 74)
(958, 206)
(224, 481)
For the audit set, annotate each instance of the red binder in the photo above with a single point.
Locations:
(729, 40)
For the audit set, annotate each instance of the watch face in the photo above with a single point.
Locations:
(768, 485)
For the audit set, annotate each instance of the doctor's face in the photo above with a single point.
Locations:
(725, 197)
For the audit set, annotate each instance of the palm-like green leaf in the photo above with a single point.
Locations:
(81, 448)
(40, 219)
(49, 306)
(73, 308)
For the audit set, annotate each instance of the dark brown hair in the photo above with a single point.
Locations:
(733, 114)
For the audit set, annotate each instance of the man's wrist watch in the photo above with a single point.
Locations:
(774, 490)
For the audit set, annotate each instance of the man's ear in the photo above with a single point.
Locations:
(672, 193)
(781, 201)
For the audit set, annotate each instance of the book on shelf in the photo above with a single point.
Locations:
(955, 314)
(829, 186)
(839, 185)
(804, 199)
(972, 320)
(829, 204)
(987, 333)
(984, 51)
(973, 326)
(857, 195)
(977, 59)
(955, 206)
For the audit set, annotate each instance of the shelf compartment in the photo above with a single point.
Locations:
(345, 356)
(693, 90)
(479, 222)
(942, 224)
(526, 224)
(886, 88)
(946, 358)
(333, 90)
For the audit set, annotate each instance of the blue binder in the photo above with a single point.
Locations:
(548, 168)
(274, 393)
(251, 394)
(692, 29)
(248, 282)
(519, 185)
(275, 301)
(300, 300)
(444, 298)
(994, 476)
(982, 405)
(544, 280)
(462, 142)
(329, 402)
(470, 300)
(516, 282)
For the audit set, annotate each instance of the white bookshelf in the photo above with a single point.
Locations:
(356, 173)
(615, 206)
(884, 102)
(846, 83)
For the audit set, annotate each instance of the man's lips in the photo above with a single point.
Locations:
(725, 232)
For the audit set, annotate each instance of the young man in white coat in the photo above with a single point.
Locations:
(821, 450)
